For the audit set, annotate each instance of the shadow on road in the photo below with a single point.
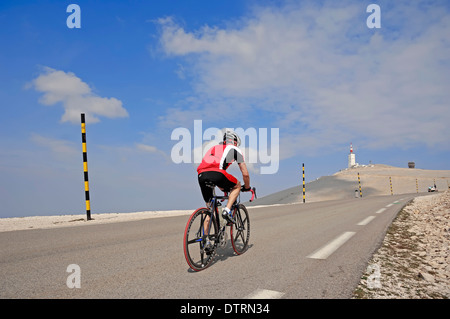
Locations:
(222, 254)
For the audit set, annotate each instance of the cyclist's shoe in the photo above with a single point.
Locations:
(208, 248)
(226, 214)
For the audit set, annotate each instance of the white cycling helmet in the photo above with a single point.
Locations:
(230, 137)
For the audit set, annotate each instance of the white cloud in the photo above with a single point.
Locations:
(76, 97)
(150, 149)
(61, 149)
(326, 77)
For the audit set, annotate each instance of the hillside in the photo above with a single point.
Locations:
(374, 181)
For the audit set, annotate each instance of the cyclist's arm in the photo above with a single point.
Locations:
(245, 174)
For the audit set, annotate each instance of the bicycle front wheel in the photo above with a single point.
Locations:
(240, 232)
(196, 235)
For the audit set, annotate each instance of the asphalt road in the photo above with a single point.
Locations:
(312, 250)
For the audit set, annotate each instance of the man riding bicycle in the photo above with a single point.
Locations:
(212, 170)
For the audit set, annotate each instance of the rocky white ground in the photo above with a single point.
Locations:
(413, 261)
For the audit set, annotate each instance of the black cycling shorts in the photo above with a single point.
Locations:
(223, 181)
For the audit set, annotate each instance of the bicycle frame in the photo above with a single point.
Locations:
(214, 201)
(214, 212)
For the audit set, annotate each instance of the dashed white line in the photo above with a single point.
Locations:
(366, 221)
(265, 294)
(332, 246)
(389, 205)
(380, 211)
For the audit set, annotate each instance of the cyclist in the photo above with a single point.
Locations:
(213, 168)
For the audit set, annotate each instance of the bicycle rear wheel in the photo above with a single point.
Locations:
(195, 237)
(240, 232)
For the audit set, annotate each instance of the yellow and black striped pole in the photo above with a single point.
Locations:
(390, 182)
(359, 183)
(304, 187)
(85, 167)
(417, 186)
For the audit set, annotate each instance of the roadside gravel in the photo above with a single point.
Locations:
(413, 261)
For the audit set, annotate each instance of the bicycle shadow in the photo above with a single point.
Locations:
(222, 254)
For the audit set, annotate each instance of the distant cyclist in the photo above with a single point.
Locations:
(213, 170)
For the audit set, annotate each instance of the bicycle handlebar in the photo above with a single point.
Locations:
(253, 190)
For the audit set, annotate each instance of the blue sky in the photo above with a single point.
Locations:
(142, 69)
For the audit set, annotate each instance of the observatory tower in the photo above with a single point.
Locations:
(351, 157)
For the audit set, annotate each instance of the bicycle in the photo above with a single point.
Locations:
(205, 232)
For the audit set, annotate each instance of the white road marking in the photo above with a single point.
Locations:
(264, 294)
(366, 221)
(331, 247)
(389, 205)
(380, 211)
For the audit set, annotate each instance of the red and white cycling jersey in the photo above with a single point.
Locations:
(219, 158)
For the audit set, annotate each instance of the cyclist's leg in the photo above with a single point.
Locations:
(207, 193)
(224, 181)
(230, 182)
(234, 193)
(221, 179)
